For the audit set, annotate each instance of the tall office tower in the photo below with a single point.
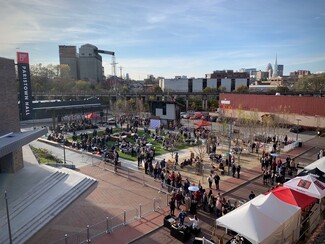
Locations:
(269, 70)
(280, 70)
(90, 63)
(275, 71)
(68, 56)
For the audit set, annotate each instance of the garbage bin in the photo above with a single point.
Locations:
(192, 154)
(300, 144)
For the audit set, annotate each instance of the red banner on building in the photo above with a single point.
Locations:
(25, 86)
(22, 58)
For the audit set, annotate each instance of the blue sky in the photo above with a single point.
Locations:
(170, 37)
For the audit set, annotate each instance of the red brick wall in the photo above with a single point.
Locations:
(308, 106)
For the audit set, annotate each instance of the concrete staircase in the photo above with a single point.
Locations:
(33, 210)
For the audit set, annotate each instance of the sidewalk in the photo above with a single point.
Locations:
(114, 194)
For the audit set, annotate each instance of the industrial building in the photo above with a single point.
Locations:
(85, 65)
(226, 79)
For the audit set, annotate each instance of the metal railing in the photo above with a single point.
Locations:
(110, 224)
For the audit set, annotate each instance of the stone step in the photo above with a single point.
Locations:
(16, 207)
(48, 198)
(27, 199)
(47, 214)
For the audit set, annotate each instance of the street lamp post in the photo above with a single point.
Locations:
(8, 219)
(298, 120)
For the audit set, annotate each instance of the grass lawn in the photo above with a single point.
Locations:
(157, 145)
(44, 157)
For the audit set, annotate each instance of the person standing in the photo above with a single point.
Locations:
(210, 180)
(116, 157)
(181, 217)
(176, 158)
(172, 206)
(233, 170)
(251, 196)
(238, 171)
(217, 180)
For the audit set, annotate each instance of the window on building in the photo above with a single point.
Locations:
(233, 85)
(204, 84)
(218, 83)
(190, 85)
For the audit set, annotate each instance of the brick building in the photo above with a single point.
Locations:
(11, 139)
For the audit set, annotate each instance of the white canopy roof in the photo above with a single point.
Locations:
(320, 164)
(265, 219)
(308, 185)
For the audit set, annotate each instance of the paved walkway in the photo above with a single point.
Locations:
(125, 191)
(116, 193)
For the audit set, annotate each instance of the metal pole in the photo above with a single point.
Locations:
(88, 235)
(64, 159)
(154, 204)
(8, 219)
(140, 211)
(107, 227)
(66, 238)
(124, 217)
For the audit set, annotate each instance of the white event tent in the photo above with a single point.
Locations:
(265, 219)
(308, 185)
(320, 164)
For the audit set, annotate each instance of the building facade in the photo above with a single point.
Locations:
(90, 63)
(310, 111)
(68, 56)
(9, 113)
(228, 80)
(87, 65)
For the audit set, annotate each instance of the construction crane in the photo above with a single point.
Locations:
(113, 59)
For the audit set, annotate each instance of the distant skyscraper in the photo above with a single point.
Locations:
(280, 70)
(275, 71)
(269, 70)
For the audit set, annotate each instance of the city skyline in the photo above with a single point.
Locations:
(171, 38)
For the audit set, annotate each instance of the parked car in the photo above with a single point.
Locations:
(111, 121)
(197, 115)
(213, 118)
(296, 129)
(183, 115)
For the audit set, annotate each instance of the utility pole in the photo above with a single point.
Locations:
(298, 120)
(229, 144)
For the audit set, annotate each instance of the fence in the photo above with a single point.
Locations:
(110, 224)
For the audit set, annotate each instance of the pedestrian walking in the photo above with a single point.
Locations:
(217, 180)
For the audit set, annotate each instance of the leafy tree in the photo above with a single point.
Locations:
(242, 88)
(311, 83)
(209, 90)
(155, 89)
(222, 89)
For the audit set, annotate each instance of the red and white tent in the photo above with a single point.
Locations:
(308, 185)
(293, 197)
